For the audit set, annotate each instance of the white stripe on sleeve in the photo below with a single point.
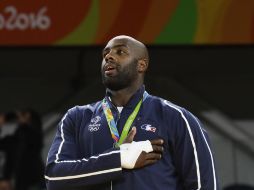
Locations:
(214, 176)
(83, 175)
(192, 141)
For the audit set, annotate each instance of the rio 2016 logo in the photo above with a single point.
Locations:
(40, 22)
(14, 20)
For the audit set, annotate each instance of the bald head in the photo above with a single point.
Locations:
(139, 49)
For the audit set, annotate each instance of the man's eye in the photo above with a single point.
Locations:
(120, 52)
(104, 54)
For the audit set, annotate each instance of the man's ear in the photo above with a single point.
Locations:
(142, 65)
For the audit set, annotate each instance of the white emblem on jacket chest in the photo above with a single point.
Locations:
(148, 127)
(94, 125)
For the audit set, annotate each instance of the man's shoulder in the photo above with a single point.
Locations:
(84, 109)
(167, 105)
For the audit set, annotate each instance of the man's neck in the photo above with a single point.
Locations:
(121, 97)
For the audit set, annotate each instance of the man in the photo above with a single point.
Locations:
(167, 148)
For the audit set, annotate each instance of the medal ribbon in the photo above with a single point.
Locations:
(127, 125)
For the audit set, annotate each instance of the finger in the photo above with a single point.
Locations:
(149, 162)
(153, 156)
(131, 135)
(157, 148)
(157, 142)
(143, 160)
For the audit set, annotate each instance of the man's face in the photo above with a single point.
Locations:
(119, 66)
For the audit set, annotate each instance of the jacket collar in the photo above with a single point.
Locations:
(133, 100)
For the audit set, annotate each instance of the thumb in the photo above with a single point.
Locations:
(131, 135)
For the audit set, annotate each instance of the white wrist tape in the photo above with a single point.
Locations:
(143, 145)
(131, 151)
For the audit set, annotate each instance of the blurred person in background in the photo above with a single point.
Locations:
(7, 147)
(166, 148)
(5, 184)
(23, 151)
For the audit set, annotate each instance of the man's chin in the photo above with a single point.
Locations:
(114, 86)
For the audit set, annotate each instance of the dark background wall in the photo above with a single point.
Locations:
(55, 78)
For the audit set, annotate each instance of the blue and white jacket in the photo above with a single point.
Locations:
(82, 154)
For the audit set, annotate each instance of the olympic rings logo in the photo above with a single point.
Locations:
(93, 128)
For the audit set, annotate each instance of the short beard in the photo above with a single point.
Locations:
(116, 83)
(124, 78)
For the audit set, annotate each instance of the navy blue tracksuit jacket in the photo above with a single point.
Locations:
(82, 154)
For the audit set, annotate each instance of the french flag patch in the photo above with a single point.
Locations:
(148, 127)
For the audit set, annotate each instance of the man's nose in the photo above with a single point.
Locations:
(109, 57)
